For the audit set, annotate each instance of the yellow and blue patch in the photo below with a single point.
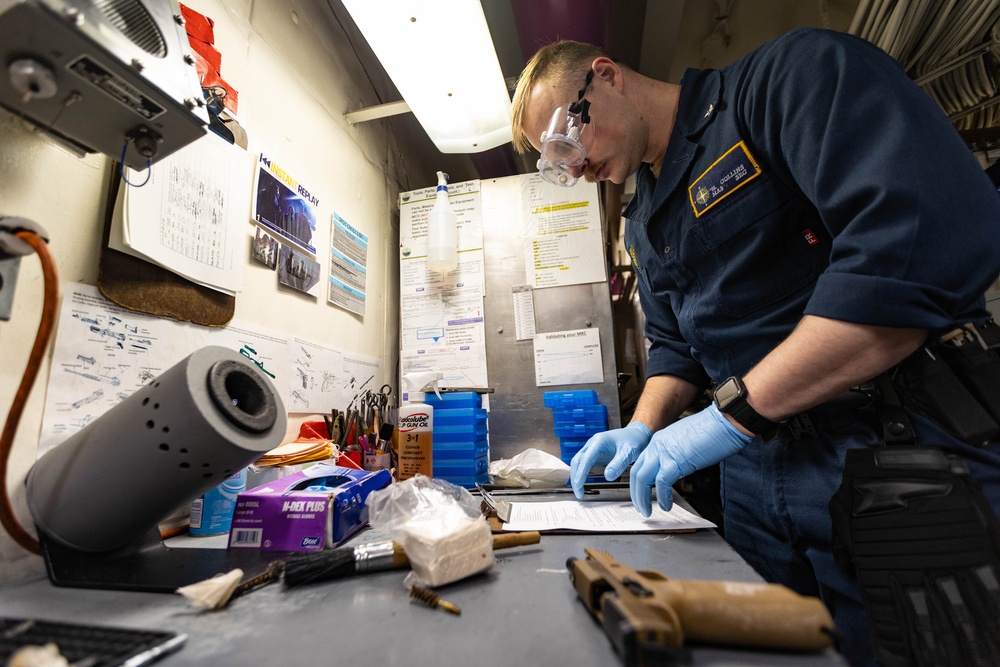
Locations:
(728, 174)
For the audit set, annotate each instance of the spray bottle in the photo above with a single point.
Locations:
(442, 231)
(416, 426)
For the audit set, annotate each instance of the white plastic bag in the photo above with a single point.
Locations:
(531, 469)
(438, 524)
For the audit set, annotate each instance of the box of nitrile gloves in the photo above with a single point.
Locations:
(317, 508)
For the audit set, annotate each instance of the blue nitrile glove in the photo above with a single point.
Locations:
(618, 449)
(693, 443)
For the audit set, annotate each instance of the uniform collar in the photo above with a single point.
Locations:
(701, 92)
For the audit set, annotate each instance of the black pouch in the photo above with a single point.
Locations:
(990, 335)
(929, 385)
(924, 544)
(978, 369)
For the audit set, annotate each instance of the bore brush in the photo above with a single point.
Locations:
(431, 599)
(374, 557)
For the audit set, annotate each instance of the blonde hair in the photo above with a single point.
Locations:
(564, 63)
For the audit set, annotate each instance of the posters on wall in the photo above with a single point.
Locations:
(286, 214)
(285, 239)
(348, 266)
(524, 312)
(283, 205)
(466, 201)
(459, 365)
(564, 243)
(198, 198)
(568, 357)
(103, 353)
(265, 248)
(298, 270)
(442, 321)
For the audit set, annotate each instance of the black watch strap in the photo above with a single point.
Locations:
(730, 398)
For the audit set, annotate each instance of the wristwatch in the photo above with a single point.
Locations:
(730, 398)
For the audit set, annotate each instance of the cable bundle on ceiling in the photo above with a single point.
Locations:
(951, 48)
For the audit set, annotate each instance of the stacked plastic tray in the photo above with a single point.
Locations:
(577, 416)
(461, 447)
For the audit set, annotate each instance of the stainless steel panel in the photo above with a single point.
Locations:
(518, 418)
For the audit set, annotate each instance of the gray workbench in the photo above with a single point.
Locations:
(523, 612)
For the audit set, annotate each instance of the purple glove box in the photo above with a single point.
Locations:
(312, 510)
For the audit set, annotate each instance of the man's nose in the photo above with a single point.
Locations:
(579, 169)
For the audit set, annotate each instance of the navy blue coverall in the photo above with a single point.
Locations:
(810, 177)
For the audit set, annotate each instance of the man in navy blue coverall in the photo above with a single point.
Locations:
(804, 219)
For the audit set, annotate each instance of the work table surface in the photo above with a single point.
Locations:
(524, 611)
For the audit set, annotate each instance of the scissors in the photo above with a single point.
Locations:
(374, 404)
(382, 397)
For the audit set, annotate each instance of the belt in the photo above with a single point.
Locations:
(802, 426)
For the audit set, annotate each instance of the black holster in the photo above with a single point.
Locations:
(957, 383)
(924, 543)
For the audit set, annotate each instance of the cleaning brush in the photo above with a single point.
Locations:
(388, 555)
(431, 599)
(344, 562)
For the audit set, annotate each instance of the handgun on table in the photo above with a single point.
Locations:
(648, 616)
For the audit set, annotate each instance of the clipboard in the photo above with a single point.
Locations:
(147, 288)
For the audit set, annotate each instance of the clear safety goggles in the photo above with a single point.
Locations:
(562, 142)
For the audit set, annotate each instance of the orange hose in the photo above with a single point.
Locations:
(10, 522)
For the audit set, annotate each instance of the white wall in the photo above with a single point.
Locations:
(296, 74)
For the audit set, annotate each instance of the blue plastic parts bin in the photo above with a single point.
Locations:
(569, 399)
(576, 416)
(454, 399)
(581, 421)
(461, 446)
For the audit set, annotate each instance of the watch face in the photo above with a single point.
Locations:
(727, 392)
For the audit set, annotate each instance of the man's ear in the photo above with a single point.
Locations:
(608, 71)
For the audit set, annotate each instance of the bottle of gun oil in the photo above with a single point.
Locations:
(416, 426)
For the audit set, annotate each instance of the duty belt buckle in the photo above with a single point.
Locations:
(801, 427)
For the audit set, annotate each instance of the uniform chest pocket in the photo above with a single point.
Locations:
(744, 207)
(760, 246)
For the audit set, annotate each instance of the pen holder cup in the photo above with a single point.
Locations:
(375, 461)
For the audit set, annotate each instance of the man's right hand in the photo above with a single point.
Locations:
(617, 449)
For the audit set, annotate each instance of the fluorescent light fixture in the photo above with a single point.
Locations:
(440, 56)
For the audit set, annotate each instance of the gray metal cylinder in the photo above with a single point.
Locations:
(179, 436)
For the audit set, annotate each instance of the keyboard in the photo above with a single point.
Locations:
(89, 645)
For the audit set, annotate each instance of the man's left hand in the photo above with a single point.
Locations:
(690, 444)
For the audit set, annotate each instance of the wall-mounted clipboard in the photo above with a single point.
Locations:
(147, 288)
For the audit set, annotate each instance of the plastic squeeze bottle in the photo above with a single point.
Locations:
(416, 426)
(442, 231)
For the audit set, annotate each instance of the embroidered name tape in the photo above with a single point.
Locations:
(728, 174)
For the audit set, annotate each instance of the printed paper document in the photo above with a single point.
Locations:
(599, 517)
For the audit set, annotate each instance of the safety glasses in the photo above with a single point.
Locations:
(562, 146)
